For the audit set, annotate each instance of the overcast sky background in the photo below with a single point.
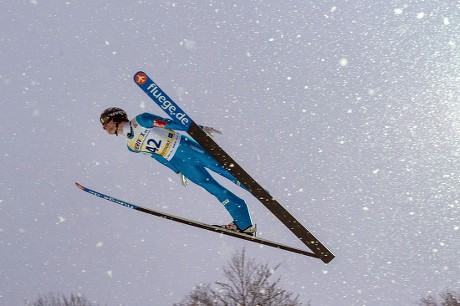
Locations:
(346, 111)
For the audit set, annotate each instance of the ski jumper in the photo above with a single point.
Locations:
(156, 137)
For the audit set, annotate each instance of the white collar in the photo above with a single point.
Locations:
(127, 128)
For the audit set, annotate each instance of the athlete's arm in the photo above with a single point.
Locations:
(148, 120)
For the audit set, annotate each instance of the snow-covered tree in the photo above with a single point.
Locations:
(448, 298)
(246, 283)
(55, 299)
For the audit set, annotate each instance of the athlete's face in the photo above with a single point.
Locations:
(110, 127)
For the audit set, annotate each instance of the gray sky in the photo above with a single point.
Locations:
(346, 111)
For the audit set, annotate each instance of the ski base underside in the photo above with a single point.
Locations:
(197, 224)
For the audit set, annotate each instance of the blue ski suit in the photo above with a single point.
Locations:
(157, 137)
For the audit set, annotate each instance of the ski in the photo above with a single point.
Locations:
(205, 226)
(181, 117)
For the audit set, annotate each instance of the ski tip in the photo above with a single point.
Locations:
(140, 77)
(80, 186)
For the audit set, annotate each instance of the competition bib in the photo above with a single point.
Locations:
(153, 140)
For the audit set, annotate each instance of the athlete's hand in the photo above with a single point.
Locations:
(183, 179)
(211, 131)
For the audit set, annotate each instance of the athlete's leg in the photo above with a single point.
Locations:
(209, 162)
(215, 166)
(236, 206)
(189, 162)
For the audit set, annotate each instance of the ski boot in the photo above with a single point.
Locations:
(250, 231)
